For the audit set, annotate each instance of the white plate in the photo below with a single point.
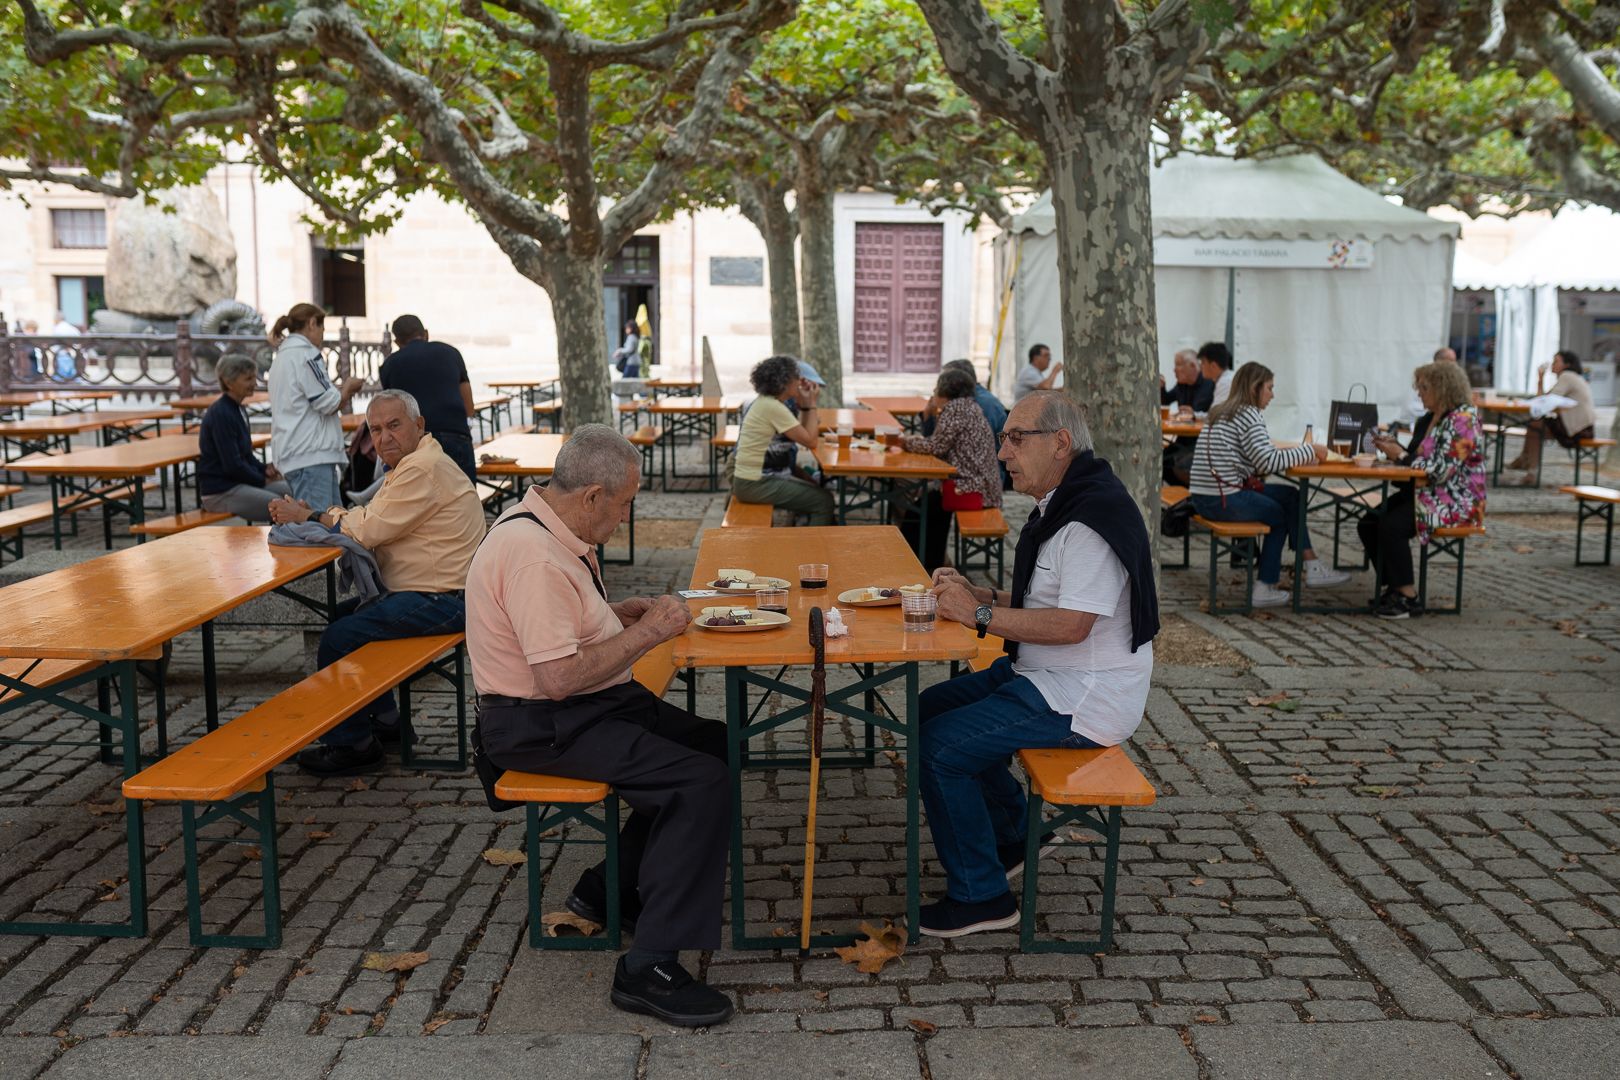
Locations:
(762, 620)
(753, 586)
(856, 598)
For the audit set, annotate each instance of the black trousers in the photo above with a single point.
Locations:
(1176, 462)
(458, 448)
(1386, 533)
(668, 767)
(939, 527)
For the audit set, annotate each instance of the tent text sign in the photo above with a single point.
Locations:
(1263, 254)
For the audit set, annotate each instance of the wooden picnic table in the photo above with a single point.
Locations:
(187, 408)
(528, 391)
(861, 421)
(488, 410)
(909, 409)
(886, 479)
(121, 608)
(536, 455)
(1190, 429)
(698, 418)
(881, 651)
(129, 464)
(670, 386)
(1349, 498)
(21, 399)
(43, 434)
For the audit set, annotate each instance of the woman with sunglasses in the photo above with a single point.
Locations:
(1234, 455)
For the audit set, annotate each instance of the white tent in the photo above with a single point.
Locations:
(1325, 282)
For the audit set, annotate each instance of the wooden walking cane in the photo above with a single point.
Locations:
(818, 717)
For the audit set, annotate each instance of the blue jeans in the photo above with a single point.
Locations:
(396, 615)
(1277, 506)
(316, 485)
(971, 726)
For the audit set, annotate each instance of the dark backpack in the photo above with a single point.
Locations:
(1177, 520)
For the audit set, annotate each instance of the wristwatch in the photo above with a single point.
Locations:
(981, 617)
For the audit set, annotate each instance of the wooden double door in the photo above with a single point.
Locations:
(899, 278)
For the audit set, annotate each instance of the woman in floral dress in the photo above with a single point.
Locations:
(1445, 445)
(962, 437)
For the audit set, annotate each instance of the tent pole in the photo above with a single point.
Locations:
(1231, 308)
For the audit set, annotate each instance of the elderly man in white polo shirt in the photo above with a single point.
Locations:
(1079, 626)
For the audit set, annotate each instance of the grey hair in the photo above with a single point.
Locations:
(234, 365)
(594, 454)
(1059, 412)
(412, 409)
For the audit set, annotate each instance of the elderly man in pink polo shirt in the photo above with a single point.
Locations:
(551, 658)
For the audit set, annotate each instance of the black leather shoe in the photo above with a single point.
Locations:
(388, 734)
(341, 760)
(669, 993)
(949, 918)
(597, 913)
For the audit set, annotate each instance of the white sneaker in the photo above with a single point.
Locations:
(1269, 595)
(1319, 574)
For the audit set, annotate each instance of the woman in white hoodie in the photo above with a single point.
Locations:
(306, 426)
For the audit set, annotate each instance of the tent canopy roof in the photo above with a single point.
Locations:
(1577, 251)
(1299, 197)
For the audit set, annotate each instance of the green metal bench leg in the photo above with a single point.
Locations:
(1585, 512)
(608, 826)
(1457, 547)
(1035, 826)
(264, 828)
(454, 673)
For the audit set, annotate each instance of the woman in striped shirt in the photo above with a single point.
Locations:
(1234, 455)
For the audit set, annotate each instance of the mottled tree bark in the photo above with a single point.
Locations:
(575, 289)
(765, 205)
(818, 287)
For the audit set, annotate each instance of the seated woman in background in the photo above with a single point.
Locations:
(962, 437)
(230, 478)
(777, 380)
(1568, 425)
(1233, 456)
(1445, 445)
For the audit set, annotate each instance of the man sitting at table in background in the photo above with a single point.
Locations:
(1079, 625)
(436, 376)
(230, 477)
(551, 659)
(1215, 364)
(995, 413)
(1039, 374)
(423, 526)
(1191, 395)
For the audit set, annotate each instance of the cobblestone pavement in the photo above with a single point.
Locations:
(1409, 865)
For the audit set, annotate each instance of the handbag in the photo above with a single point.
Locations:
(1176, 520)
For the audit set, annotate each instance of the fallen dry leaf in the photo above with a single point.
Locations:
(504, 857)
(1205, 1018)
(1523, 549)
(109, 883)
(1262, 702)
(1196, 881)
(1570, 628)
(359, 783)
(317, 835)
(922, 1027)
(871, 954)
(1593, 659)
(567, 924)
(249, 852)
(109, 896)
(102, 809)
(1303, 778)
(435, 1024)
(402, 961)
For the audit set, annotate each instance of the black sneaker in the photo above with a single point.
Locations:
(341, 760)
(597, 913)
(669, 993)
(949, 918)
(388, 734)
(1012, 855)
(1392, 605)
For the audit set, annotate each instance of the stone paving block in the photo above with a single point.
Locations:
(1351, 1051)
(542, 1057)
(1555, 1049)
(1139, 1053)
(163, 1058)
(875, 1055)
(24, 1059)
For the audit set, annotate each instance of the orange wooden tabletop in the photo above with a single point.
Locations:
(128, 459)
(861, 421)
(78, 423)
(491, 402)
(17, 398)
(521, 384)
(536, 454)
(904, 465)
(856, 556)
(900, 406)
(672, 380)
(128, 602)
(1346, 470)
(1504, 405)
(353, 421)
(201, 401)
(728, 403)
(1191, 428)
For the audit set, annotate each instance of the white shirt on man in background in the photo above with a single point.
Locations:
(1223, 387)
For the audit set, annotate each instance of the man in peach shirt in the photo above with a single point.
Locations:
(422, 527)
(551, 658)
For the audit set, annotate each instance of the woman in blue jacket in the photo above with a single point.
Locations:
(230, 477)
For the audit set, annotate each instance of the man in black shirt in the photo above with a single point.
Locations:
(1191, 393)
(436, 376)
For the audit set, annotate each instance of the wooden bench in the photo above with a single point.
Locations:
(747, 515)
(1593, 502)
(178, 523)
(17, 518)
(1170, 495)
(1231, 538)
(567, 800)
(648, 438)
(227, 773)
(1078, 784)
(981, 532)
(552, 412)
(1496, 436)
(1446, 542)
(1592, 450)
(723, 445)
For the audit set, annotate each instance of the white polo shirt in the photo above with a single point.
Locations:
(1098, 683)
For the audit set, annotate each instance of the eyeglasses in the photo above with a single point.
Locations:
(1016, 436)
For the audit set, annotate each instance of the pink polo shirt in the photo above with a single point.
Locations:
(530, 599)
